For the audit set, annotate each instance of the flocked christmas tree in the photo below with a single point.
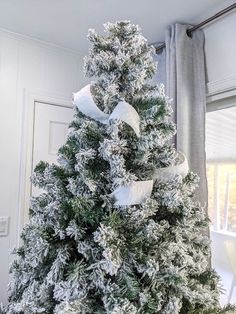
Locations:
(116, 229)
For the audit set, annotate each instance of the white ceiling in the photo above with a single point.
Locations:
(66, 22)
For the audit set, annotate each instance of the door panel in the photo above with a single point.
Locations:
(50, 132)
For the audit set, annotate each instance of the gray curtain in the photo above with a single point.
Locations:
(181, 67)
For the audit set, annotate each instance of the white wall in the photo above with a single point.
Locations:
(220, 48)
(31, 65)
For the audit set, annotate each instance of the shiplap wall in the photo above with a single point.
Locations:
(31, 65)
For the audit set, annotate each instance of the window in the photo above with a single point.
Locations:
(221, 168)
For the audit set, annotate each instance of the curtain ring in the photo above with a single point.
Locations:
(189, 33)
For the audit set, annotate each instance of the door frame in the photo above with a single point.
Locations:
(30, 97)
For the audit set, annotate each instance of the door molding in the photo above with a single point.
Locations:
(30, 97)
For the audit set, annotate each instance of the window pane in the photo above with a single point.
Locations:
(221, 168)
(221, 176)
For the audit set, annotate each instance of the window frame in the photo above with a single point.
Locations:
(215, 102)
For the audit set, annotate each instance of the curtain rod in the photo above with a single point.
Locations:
(203, 23)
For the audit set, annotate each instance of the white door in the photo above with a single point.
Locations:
(50, 132)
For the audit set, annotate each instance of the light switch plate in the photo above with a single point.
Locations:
(4, 225)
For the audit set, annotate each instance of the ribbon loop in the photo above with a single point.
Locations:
(84, 101)
(165, 174)
(123, 111)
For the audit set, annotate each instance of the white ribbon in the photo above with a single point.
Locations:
(123, 111)
(137, 191)
(163, 175)
(134, 193)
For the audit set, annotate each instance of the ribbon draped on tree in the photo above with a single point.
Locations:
(123, 111)
(136, 191)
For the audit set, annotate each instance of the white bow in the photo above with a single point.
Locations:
(123, 111)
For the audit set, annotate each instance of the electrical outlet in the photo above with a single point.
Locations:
(4, 224)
